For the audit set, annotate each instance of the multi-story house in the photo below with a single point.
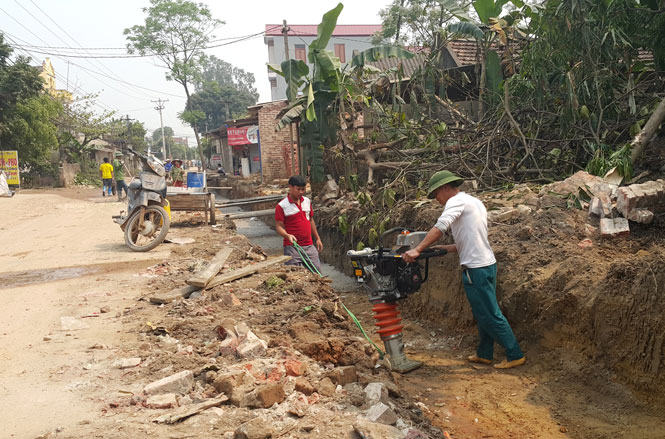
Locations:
(347, 40)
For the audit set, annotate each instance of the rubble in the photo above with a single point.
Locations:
(613, 227)
(381, 413)
(375, 392)
(163, 401)
(181, 383)
(126, 363)
(343, 375)
(371, 430)
(257, 428)
(251, 346)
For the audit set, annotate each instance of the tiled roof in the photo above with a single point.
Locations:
(342, 30)
(466, 51)
(409, 66)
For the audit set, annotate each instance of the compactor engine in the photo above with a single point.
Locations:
(387, 279)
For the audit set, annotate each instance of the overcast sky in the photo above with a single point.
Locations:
(96, 24)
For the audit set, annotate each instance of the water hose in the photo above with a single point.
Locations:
(311, 267)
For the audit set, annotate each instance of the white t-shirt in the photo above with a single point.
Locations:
(466, 217)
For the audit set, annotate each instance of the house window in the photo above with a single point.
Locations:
(340, 52)
(300, 52)
(273, 82)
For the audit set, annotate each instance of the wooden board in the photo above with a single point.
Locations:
(170, 296)
(203, 276)
(245, 271)
(185, 412)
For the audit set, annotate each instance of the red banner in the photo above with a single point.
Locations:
(242, 135)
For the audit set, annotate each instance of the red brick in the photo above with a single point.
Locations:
(295, 368)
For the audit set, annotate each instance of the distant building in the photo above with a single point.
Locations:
(181, 141)
(47, 73)
(347, 40)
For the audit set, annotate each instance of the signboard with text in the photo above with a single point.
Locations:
(9, 164)
(242, 135)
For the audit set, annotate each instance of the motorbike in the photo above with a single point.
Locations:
(147, 219)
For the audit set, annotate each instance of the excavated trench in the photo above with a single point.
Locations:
(590, 321)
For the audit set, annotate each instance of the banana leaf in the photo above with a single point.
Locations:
(377, 53)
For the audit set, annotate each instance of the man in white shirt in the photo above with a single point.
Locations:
(466, 218)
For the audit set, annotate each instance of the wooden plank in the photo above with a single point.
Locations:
(267, 212)
(245, 271)
(186, 412)
(203, 276)
(170, 296)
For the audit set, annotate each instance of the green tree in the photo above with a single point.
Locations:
(220, 102)
(177, 32)
(224, 73)
(79, 125)
(168, 137)
(26, 114)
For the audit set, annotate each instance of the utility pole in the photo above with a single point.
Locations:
(127, 121)
(160, 107)
(285, 32)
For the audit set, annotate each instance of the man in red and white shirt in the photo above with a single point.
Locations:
(294, 221)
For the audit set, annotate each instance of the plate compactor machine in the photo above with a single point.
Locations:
(387, 279)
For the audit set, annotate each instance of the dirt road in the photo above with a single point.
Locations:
(61, 256)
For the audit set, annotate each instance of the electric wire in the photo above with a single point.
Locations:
(90, 62)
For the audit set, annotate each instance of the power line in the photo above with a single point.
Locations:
(238, 40)
(87, 49)
(18, 46)
(76, 42)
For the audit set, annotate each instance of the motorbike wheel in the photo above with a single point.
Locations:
(156, 224)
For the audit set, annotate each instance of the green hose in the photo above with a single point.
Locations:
(311, 267)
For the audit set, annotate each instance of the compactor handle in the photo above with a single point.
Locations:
(431, 253)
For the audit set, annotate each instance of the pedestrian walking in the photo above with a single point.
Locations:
(106, 173)
(119, 175)
(466, 217)
(294, 221)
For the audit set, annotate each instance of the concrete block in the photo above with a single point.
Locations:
(343, 375)
(375, 392)
(613, 227)
(180, 383)
(164, 401)
(251, 347)
(626, 200)
(642, 216)
(381, 413)
(372, 430)
(599, 208)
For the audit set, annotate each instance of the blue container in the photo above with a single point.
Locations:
(195, 179)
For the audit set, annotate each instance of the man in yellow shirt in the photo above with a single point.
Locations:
(106, 173)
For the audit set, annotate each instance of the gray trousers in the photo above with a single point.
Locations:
(310, 250)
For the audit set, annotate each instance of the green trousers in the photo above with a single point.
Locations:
(480, 287)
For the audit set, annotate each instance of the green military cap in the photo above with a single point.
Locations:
(439, 179)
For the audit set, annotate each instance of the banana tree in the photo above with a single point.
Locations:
(490, 28)
(323, 91)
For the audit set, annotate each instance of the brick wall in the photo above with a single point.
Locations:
(275, 154)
